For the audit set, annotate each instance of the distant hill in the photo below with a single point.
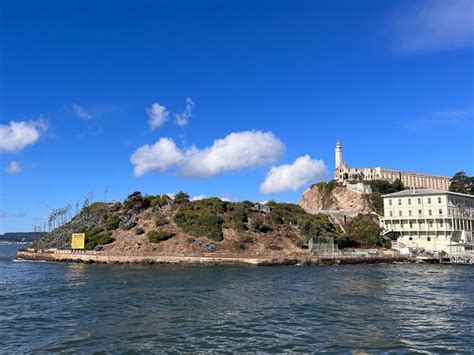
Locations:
(21, 236)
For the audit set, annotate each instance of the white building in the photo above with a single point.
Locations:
(343, 173)
(430, 220)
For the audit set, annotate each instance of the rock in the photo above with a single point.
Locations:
(127, 222)
(209, 247)
(335, 198)
(139, 231)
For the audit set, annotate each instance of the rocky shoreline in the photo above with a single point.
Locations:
(103, 258)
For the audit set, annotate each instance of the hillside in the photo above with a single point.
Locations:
(143, 225)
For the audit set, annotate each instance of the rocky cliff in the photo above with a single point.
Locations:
(335, 197)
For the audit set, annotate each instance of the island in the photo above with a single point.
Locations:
(161, 229)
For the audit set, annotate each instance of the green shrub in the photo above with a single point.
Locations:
(238, 245)
(181, 197)
(95, 237)
(160, 201)
(113, 222)
(364, 231)
(158, 236)
(200, 224)
(316, 225)
(258, 226)
(240, 219)
(160, 220)
(136, 201)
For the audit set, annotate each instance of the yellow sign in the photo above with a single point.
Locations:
(78, 240)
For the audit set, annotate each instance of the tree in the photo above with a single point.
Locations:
(181, 197)
(462, 183)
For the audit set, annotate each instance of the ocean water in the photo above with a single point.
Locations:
(404, 308)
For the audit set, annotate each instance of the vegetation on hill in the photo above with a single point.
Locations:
(462, 183)
(362, 231)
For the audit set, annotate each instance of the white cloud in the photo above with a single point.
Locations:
(236, 151)
(81, 112)
(157, 157)
(431, 26)
(199, 197)
(293, 176)
(183, 118)
(17, 135)
(158, 115)
(13, 168)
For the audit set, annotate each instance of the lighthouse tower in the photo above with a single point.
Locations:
(338, 154)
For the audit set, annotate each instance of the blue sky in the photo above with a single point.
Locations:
(236, 99)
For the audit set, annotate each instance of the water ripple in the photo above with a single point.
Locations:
(403, 308)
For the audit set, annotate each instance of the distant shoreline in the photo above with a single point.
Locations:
(209, 260)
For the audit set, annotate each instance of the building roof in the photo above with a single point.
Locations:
(424, 192)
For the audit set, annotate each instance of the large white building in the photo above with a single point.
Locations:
(344, 173)
(430, 220)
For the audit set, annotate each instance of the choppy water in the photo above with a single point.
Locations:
(48, 307)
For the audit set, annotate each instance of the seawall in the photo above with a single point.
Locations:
(161, 259)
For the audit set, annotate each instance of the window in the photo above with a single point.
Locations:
(409, 201)
(419, 213)
(399, 201)
(429, 199)
(440, 211)
(439, 199)
(419, 201)
(441, 224)
(429, 212)
(390, 202)
(431, 224)
(410, 238)
(428, 239)
(391, 214)
(409, 213)
(400, 213)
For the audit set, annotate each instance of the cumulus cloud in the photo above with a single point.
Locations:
(157, 157)
(158, 115)
(199, 197)
(81, 112)
(430, 26)
(183, 118)
(236, 151)
(13, 168)
(293, 176)
(16, 136)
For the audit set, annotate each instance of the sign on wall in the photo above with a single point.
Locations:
(78, 240)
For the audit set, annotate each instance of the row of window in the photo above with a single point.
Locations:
(440, 224)
(409, 201)
(420, 213)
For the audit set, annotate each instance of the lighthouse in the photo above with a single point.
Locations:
(338, 154)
